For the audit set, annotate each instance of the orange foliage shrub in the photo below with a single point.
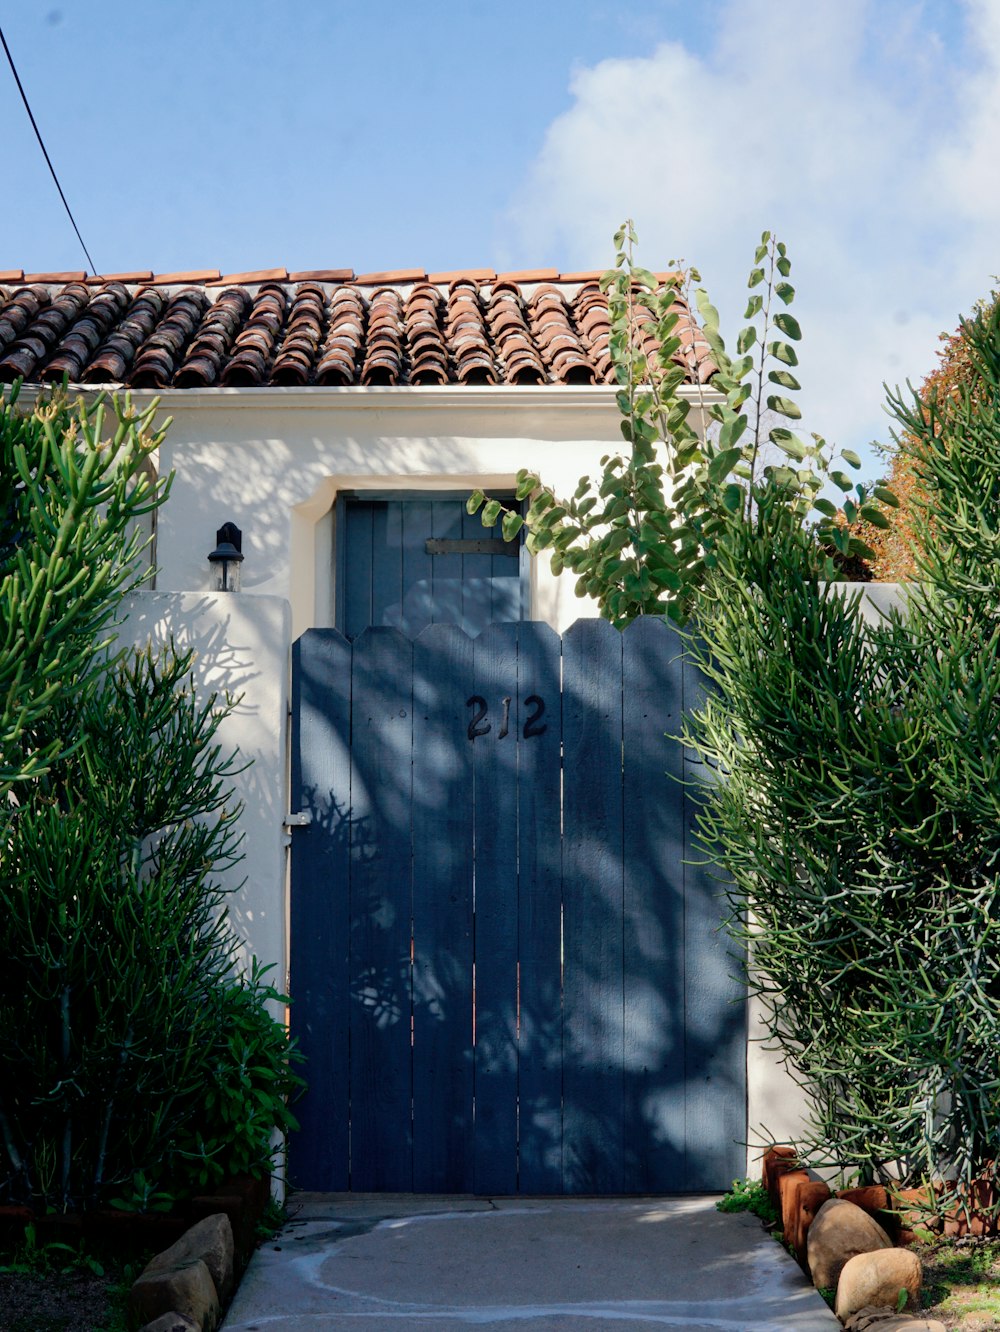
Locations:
(893, 547)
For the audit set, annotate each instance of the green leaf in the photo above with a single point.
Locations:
(785, 378)
(709, 314)
(754, 306)
(526, 483)
(732, 499)
(788, 324)
(788, 443)
(491, 513)
(858, 547)
(842, 480)
(784, 266)
(875, 516)
(723, 463)
(756, 277)
(475, 502)
(746, 339)
(785, 292)
(826, 507)
(886, 496)
(782, 352)
(732, 430)
(850, 457)
(784, 406)
(511, 525)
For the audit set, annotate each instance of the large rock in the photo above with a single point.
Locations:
(878, 1277)
(840, 1231)
(186, 1288)
(171, 1322)
(211, 1240)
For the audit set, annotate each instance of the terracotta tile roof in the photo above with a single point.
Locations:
(322, 327)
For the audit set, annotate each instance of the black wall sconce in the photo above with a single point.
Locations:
(227, 558)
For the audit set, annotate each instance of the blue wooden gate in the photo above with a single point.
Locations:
(507, 972)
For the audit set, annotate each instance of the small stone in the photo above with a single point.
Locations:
(171, 1322)
(878, 1277)
(187, 1289)
(887, 1320)
(872, 1316)
(211, 1240)
(840, 1231)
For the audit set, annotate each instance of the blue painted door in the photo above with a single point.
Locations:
(409, 561)
(508, 972)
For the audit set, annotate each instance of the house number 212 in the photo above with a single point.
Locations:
(480, 726)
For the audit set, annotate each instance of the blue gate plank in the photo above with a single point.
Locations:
(715, 1009)
(356, 613)
(539, 858)
(319, 919)
(387, 564)
(446, 523)
(381, 992)
(592, 909)
(477, 583)
(654, 909)
(494, 772)
(418, 567)
(442, 912)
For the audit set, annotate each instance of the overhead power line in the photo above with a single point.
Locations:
(41, 144)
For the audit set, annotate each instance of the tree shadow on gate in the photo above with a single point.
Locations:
(603, 1052)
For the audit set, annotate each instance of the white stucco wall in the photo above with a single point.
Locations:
(273, 460)
(242, 645)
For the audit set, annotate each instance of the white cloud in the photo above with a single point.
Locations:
(865, 134)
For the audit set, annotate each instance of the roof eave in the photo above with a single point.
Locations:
(408, 397)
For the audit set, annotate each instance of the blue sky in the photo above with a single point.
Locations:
(511, 135)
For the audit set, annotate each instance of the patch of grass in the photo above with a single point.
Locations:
(749, 1195)
(58, 1287)
(272, 1219)
(962, 1283)
(32, 1258)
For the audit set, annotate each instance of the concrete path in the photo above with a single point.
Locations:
(366, 1262)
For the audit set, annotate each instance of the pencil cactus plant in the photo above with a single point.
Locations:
(859, 813)
(136, 1062)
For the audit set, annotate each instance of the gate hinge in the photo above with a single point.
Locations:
(302, 820)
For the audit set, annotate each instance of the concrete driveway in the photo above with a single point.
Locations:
(367, 1262)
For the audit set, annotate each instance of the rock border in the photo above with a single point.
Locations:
(238, 1202)
(188, 1284)
(861, 1239)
